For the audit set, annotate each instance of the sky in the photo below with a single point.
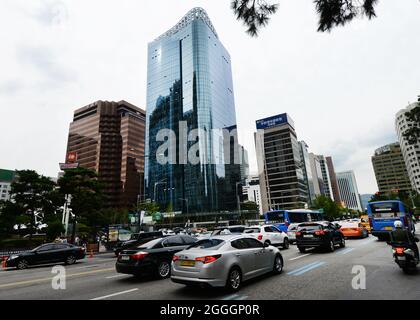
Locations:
(342, 88)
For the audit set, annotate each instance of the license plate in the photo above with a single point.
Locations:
(388, 228)
(401, 258)
(308, 236)
(187, 263)
(125, 258)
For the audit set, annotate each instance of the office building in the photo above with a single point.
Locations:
(244, 164)
(349, 193)
(390, 170)
(410, 152)
(365, 199)
(6, 179)
(307, 171)
(333, 180)
(280, 165)
(108, 137)
(318, 182)
(190, 90)
(252, 191)
(326, 179)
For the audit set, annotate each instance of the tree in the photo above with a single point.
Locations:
(255, 14)
(332, 210)
(412, 135)
(34, 196)
(86, 196)
(55, 228)
(149, 207)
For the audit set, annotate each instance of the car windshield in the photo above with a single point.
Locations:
(207, 244)
(252, 230)
(310, 227)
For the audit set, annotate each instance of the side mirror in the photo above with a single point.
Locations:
(266, 245)
(417, 240)
(337, 226)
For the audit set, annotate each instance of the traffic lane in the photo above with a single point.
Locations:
(11, 275)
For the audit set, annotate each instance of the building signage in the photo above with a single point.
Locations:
(71, 157)
(67, 166)
(273, 121)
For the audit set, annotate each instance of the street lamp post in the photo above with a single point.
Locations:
(186, 201)
(237, 197)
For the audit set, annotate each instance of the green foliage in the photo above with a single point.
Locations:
(149, 207)
(250, 206)
(20, 243)
(332, 210)
(32, 194)
(55, 228)
(255, 14)
(412, 134)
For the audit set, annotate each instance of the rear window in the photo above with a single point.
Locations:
(385, 210)
(296, 217)
(310, 227)
(207, 244)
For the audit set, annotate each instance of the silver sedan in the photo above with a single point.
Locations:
(225, 261)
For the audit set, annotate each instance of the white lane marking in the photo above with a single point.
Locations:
(345, 251)
(88, 267)
(302, 256)
(306, 268)
(231, 297)
(115, 294)
(118, 276)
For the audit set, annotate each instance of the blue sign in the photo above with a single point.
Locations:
(274, 121)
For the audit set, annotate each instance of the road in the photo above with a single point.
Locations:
(314, 275)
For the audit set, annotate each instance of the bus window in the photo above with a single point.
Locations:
(275, 217)
(386, 210)
(298, 217)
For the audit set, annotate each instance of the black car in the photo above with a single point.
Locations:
(45, 254)
(153, 257)
(319, 235)
(136, 239)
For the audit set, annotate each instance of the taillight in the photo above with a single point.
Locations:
(320, 232)
(399, 251)
(298, 233)
(175, 258)
(139, 255)
(260, 237)
(208, 259)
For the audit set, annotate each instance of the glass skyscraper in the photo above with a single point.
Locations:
(189, 86)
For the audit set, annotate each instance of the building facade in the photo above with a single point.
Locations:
(280, 165)
(349, 192)
(108, 137)
(390, 170)
(307, 171)
(252, 191)
(326, 179)
(190, 98)
(333, 179)
(411, 153)
(6, 179)
(318, 182)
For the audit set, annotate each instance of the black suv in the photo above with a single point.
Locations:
(319, 235)
(136, 239)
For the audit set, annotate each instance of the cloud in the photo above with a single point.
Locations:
(51, 13)
(46, 62)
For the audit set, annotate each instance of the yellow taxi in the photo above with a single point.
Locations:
(364, 221)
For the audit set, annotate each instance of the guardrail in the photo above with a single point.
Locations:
(8, 253)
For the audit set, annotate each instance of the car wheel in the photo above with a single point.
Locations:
(22, 264)
(331, 247)
(164, 269)
(342, 243)
(234, 280)
(71, 259)
(302, 250)
(278, 265)
(286, 243)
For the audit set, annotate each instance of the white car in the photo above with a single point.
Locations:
(269, 234)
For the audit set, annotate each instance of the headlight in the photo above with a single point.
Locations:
(13, 257)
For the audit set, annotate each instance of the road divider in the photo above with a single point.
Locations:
(306, 268)
(115, 294)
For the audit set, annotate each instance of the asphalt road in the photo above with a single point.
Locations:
(314, 275)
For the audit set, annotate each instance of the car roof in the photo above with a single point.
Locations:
(230, 237)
